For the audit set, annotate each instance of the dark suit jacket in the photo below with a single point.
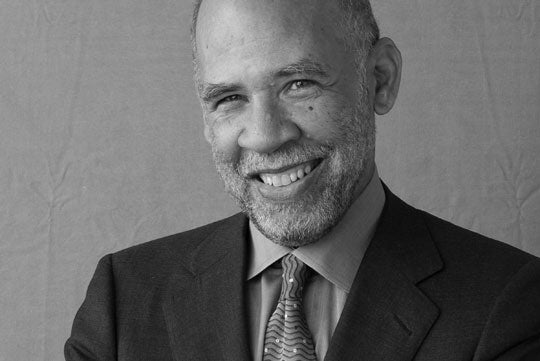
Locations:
(426, 290)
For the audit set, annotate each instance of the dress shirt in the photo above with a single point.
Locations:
(335, 258)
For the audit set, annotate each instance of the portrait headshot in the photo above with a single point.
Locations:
(270, 180)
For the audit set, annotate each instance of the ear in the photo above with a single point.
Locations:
(384, 67)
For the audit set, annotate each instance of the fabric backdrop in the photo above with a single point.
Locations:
(101, 143)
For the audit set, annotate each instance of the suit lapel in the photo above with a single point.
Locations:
(206, 312)
(386, 316)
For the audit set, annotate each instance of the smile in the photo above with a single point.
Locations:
(288, 176)
(286, 184)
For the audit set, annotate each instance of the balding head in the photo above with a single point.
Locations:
(358, 26)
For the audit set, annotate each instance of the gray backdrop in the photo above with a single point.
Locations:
(101, 143)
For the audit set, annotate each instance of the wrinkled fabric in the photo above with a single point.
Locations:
(101, 143)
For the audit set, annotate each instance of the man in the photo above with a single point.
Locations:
(328, 264)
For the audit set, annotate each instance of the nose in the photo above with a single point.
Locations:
(268, 127)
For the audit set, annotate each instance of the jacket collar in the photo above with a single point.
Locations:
(386, 316)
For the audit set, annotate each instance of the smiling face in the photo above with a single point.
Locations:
(288, 115)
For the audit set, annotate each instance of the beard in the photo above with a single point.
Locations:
(348, 162)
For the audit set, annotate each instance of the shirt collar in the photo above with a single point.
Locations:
(337, 255)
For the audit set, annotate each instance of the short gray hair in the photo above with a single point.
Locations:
(359, 26)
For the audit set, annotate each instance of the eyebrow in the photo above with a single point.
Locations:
(211, 91)
(304, 66)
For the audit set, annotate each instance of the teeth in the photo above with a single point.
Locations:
(266, 179)
(285, 178)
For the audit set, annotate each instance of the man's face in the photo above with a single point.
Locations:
(286, 112)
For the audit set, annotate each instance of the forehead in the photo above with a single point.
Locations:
(260, 35)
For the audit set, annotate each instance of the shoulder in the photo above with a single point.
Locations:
(487, 287)
(457, 246)
(469, 264)
(468, 249)
(479, 273)
(171, 254)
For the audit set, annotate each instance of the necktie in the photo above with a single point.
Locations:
(287, 334)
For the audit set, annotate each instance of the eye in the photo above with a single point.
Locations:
(302, 89)
(300, 84)
(229, 101)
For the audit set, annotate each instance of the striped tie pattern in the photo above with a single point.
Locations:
(287, 334)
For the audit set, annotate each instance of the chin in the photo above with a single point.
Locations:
(303, 222)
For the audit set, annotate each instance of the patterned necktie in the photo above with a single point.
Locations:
(287, 334)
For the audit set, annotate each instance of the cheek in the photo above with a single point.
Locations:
(224, 139)
(318, 121)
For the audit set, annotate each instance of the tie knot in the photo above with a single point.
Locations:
(295, 273)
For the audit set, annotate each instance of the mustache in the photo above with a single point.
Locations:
(251, 162)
